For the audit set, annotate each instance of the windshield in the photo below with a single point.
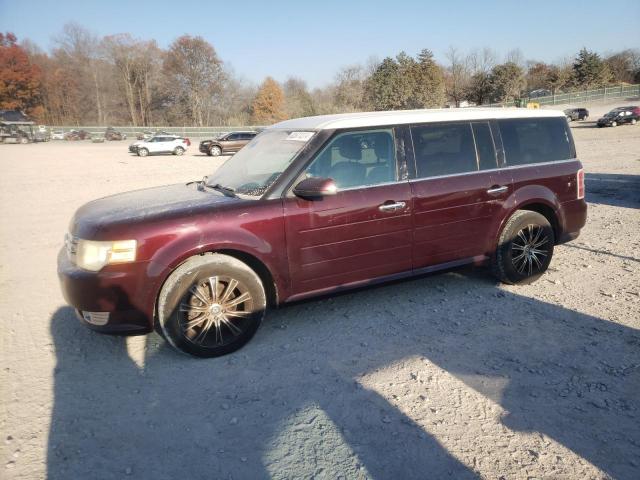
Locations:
(255, 167)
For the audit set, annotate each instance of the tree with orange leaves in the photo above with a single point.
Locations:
(19, 78)
(268, 106)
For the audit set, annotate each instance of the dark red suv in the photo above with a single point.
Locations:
(322, 204)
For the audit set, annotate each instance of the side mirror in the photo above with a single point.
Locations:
(315, 188)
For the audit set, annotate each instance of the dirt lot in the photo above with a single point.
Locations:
(449, 375)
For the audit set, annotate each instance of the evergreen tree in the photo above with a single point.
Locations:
(506, 82)
(590, 71)
(429, 82)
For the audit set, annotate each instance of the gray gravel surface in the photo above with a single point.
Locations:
(445, 376)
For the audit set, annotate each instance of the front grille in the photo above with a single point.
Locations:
(71, 245)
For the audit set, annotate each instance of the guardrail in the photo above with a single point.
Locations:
(131, 132)
(579, 96)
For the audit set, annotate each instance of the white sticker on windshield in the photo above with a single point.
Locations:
(300, 136)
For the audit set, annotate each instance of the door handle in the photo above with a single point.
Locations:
(392, 207)
(498, 189)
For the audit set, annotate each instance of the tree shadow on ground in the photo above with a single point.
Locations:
(570, 376)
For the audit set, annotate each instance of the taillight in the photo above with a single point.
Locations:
(580, 183)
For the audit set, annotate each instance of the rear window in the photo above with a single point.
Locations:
(536, 140)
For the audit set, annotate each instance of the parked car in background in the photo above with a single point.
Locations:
(620, 116)
(147, 134)
(228, 143)
(57, 135)
(159, 144)
(77, 135)
(112, 134)
(41, 136)
(144, 135)
(320, 205)
(576, 114)
(541, 92)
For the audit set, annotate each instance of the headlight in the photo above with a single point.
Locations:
(93, 255)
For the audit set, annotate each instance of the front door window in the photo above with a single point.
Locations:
(357, 159)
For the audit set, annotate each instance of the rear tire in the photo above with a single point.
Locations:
(633, 121)
(199, 322)
(178, 151)
(524, 249)
(143, 152)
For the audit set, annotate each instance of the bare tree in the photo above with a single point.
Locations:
(196, 74)
(349, 88)
(481, 61)
(298, 101)
(81, 48)
(457, 75)
(516, 57)
(136, 63)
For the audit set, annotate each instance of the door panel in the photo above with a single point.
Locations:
(455, 217)
(346, 238)
(457, 206)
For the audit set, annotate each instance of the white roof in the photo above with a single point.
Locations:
(399, 117)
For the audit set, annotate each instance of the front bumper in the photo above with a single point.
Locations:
(204, 147)
(108, 300)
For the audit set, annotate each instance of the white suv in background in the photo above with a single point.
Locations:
(160, 144)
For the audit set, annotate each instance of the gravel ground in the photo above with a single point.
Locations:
(447, 375)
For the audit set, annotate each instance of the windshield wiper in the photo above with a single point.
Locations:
(228, 191)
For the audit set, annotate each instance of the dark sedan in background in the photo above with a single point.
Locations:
(620, 116)
(576, 114)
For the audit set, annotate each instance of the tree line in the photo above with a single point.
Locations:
(122, 80)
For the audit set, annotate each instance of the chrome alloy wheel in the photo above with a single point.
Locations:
(215, 311)
(529, 249)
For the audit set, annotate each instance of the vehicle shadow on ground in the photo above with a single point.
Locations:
(583, 124)
(613, 189)
(570, 376)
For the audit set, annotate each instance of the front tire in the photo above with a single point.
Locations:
(143, 152)
(211, 305)
(614, 124)
(215, 151)
(525, 248)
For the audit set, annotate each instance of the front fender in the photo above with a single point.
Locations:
(265, 245)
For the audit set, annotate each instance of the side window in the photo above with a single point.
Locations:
(357, 159)
(484, 146)
(233, 137)
(535, 140)
(443, 149)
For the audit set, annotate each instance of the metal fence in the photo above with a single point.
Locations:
(579, 96)
(131, 132)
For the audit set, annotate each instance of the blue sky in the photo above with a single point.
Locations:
(312, 40)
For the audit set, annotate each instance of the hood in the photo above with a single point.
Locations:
(144, 206)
